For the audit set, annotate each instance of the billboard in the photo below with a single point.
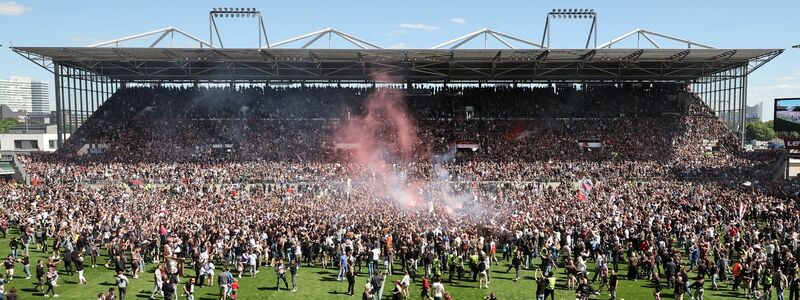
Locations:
(787, 114)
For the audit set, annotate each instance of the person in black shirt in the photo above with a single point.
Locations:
(26, 266)
(656, 287)
(78, 258)
(669, 272)
(680, 288)
(794, 288)
(584, 289)
(377, 283)
(613, 282)
(541, 284)
(169, 287)
(68, 263)
(516, 262)
(39, 275)
(9, 265)
(119, 264)
(14, 245)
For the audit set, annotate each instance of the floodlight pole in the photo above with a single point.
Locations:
(236, 13)
(568, 14)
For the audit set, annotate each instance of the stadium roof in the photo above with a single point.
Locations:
(276, 64)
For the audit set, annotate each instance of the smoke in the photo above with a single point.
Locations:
(383, 134)
(386, 136)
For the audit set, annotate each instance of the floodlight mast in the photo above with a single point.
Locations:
(571, 14)
(235, 12)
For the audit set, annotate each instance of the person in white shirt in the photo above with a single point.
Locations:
(406, 282)
(208, 270)
(159, 281)
(438, 289)
(251, 263)
(122, 284)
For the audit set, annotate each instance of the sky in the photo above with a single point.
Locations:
(415, 24)
(789, 102)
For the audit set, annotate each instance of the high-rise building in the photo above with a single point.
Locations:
(753, 113)
(22, 93)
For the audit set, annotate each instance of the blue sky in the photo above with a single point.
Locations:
(416, 24)
(789, 102)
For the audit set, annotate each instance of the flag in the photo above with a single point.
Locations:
(742, 210)
(585, 188)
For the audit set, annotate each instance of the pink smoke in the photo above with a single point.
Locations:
(384, 133)
(387, 134)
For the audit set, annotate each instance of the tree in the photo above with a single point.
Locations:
(7, 123)
(759, 131)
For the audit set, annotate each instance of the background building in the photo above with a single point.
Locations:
(29, 138)
(753, 113)
(22, 93)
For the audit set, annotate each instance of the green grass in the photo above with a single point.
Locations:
(318, 283)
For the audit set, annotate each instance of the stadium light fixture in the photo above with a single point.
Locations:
(571, 13)
(235, 12)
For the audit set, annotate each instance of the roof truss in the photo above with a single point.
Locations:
(486, 32)
(330, 32)
(649, 37)
(161, 33)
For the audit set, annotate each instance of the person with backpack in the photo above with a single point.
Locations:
(481, 270)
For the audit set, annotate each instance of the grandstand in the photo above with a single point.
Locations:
(87, 76)
(433, 169)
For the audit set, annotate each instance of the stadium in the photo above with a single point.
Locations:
(289, 171)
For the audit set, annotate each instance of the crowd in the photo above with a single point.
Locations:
(666, 201)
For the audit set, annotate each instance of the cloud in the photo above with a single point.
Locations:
(11, 8)
(399, 46)
(459, 21)
(424, 27)
(767, 93)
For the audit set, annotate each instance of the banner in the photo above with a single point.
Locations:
(474, 146)
(590, 143)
